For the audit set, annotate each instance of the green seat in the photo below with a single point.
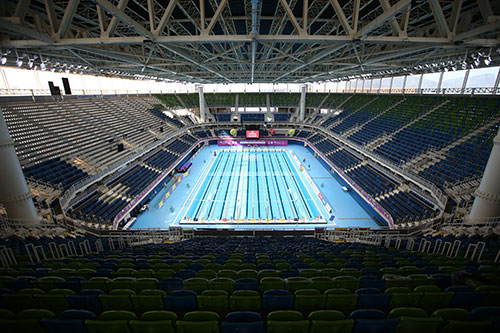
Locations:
(322, 283)
(347, 282)
(452, 314)
(268, 273)
(227, 273)
(64, 273)
(225, 284)
(330, 272)
(124, 272)
(207, 274)
(244, 300)
(6, 314)
(26, 321)
(99, 282)
(55, 300)
(199, 322)
(85, 272)
(141, 284)
(122, 282)
(310, 273)
(286, 321)
(248, 273)
(329, 321)
(403, 297)
(271, 283)
(421, 280)
(111, 322)
(46, 283)
(433, 298)
(144, 273)
(283, 266)
(351, 272)
(213, 266)
(492, 296)
(419, 324)
(148, 300)
(397, 281)
(154, 322)
(406, 312)
(214, 300)
(231, 266)
(307, 300)
(23, 299)
(248, 266)
(164, 273)
(196, 284)
(297, 282)
(118, 299)
(462, 326)
(340, 299)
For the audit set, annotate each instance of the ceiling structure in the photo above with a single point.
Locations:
(250, 41)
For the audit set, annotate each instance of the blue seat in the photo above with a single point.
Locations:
(72, 283)
(372, 298)
(185, 274)
(277, 299)
(181, 300)
(371, 281)
(69, 321)
(375, 325)
(170, 284)
(286, 273)
(243, 322)
(86, 299)
(465, 297)
(372, 314)
(246, 284)
(22, 282)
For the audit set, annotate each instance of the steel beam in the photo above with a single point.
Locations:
(380, 20)
(441, 22)
(292, 18)
(342, 18)
(67, 18)
(214, 18)
(166, 15)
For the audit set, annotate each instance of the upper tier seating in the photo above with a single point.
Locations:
(251, 117)
(372, 181)
(84, 128)
(441, 127)
(284, 99)
(220, 100)
(282, 117)
(190, 100)
(222, 117)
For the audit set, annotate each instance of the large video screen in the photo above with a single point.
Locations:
(252, 134)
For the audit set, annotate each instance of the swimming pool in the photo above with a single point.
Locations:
(253, 185)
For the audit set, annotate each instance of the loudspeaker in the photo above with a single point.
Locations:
(120, 146)
(54, 90)
(67, 89)
(161, 129)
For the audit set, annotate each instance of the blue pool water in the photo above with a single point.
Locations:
(253, 184)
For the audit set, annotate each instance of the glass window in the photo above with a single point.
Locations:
(482, 77)
(430, 81)
(453, 79)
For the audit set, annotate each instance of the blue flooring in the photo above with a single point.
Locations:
(347, 211)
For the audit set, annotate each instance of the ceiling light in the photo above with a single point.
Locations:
(4, 60)
(19, 62)
(43, 66)
(487, 61)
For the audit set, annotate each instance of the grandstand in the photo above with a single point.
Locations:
(250, 166)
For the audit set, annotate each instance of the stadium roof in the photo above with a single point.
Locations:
(247, 41)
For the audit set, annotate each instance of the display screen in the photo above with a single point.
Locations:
(252, 134)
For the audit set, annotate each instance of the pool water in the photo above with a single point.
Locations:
(251, 184)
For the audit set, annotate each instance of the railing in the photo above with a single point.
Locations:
(131, 92)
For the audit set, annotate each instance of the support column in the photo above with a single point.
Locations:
(464, 82)
(14, 193)
(302, 110)
(487, 201)
(404, 84)
(202, 103)
(440, 82)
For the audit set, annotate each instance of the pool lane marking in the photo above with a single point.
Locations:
(198, 184)
(304, 182)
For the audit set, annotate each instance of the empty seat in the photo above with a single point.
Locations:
(155, 322)
(243, 321)
(287, 321)
(326, 321)
(244, 300)
(113, 321)
(199, 322)
(181, 300)
(277, 299)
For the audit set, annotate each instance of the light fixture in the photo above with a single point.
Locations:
(30, 63)
(487, 61)
(43, 66)
(3, 60)
(19, 62)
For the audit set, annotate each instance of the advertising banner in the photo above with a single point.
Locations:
(252, 143)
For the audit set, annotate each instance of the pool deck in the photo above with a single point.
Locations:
(347, 211)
